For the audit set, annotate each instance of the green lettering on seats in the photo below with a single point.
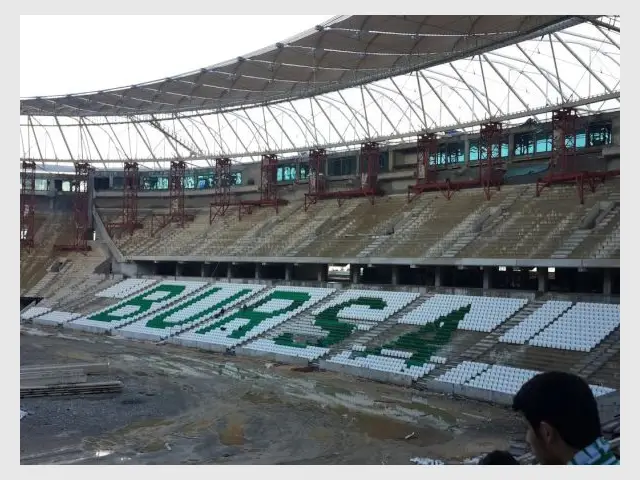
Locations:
(328, 320)
(297, 299)
(159, 322)
(427, 340)
(139, 301)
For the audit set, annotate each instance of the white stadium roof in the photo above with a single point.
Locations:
(354, 78)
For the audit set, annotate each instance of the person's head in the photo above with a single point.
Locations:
(562, 416)
(498, 457)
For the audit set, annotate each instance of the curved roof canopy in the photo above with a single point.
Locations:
(343, 52)
(529, 77)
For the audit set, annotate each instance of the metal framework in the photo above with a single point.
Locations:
(222, 189)
(81, 212)
(426, 170)
(369, 167)
(27, 204)
(564, 166)
(129, 218)
(268, 181)
(177, 212)
(317, 179)
(578, 67)
(491, 168)
(130, 198)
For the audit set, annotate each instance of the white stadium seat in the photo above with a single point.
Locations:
(581, 328)
(361, 316)
(220, 334)
(497, 378)
(134, 308)
(535, 322)
(190, 311)
(485, 314)
(126, 288)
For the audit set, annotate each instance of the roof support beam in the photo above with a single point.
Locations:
(329, 119)
(194, 143)
(408, 136)
(118, 142)
(313, 132)
(281, 127)
(364, 109)
(600, 23)
(53, 145)
(473, 91)
(442, 102)
(171, 136)
(424, 112)
(556, 86)
(82, 121)
(504, 80)
(146, 143)
(194, 121)
(64, 138)
(606, 35)
(384, 114)
(235, 133)
(410, 103)
(355, 113)
(35, 137)
(587, 67)
(555, 64)
(484, 82)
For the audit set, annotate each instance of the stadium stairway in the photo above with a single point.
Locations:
(379, 329)
(608, 373)
(599, 356)
(491, 340)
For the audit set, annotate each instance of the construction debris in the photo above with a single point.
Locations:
(56, 380)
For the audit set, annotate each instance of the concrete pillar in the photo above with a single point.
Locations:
(288, 272)
(512, 137)
(154, 268)
(205, 270)
(486, 278)
(606, 286)
(392, 157)
(258, 274)
(354, 273)
(229, 268)
(467, 147)
(438, 278)
(323, 273)
(395, 273)
(179, 269)
(543, 273)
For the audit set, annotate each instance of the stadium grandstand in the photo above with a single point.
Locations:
(428, 204)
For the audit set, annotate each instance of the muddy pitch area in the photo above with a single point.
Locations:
(184, 406)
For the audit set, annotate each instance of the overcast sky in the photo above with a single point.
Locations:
(73, 54)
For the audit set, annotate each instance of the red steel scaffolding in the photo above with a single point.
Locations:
(269, 195)
(27, 204)
(221, 189)
(81, 213)
(129, 222)
(491, 166)
(490, 172)
(563, 165)
(369, 170)
(317, 180)
(177, 212)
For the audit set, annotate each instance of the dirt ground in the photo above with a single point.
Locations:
(184, 406)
